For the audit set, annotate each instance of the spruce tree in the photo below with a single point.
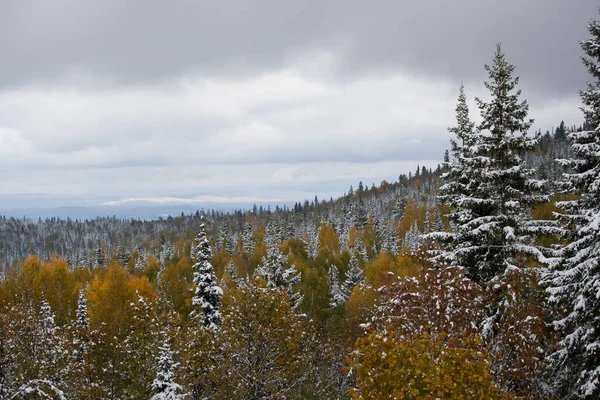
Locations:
(277, 275)
(163, 386)
(354, 276)
(491, 192)
(412, 238)
(336, 295)
(457, 185)
(82, 310)
(389, 239)
(140, 262)
(98, 257)
(231, 270)
(575, 283)
(124, 256)
(207, 297)
(489, 188)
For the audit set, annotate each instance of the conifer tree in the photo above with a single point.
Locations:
(275, 273)
(489, 188)
(82, 311)
(124, 256)
(335, 293)
(491, 192)
(457, 183)
(232, 271)
(460, 168)
(230, 276)
(438, 224)
(399, 205)
(389, 239)
(412, 238)
(98, 257)
(574, 284)
(163, 386)
(207, 297)
(354, 276)
(140, 262)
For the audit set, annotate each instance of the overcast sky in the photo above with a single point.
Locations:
(266, 100)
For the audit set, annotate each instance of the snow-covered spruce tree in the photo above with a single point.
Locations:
(124, 256)
(273, 270)
(140, 345)
(98, 257)
(207, 297)
(427, 222)
(335, 293)
(491, 193)
(140, 261)
(400, 205)
(233, 272)
(459, 174)
(354, 276)
(248, 237)
(38, 353)
(438, 224)
(488, 187)
(412, 238)
(163, 386)
(389, 239)
(82, 310)
(230, 276)
(574, 286)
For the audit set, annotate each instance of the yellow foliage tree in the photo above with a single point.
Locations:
(328, 239)
(359, 308)
(59, 288)
(369, 237)
(382, 270)
(175, 284)
(110, 298)
(389, 365)
(262, 346)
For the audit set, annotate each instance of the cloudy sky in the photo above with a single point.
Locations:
(109, 101)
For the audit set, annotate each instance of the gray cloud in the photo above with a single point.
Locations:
(263, 99)
(144, 41)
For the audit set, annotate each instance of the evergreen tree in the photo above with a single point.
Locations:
(389, 239)
(359, 214)
(427, 221)
(247, 237)
(561, 132)
(574, 284)
(163, 386)
(412, 238)
(124, 256)
(438, 224)
(335, 294)
(230, 275)
(488, 186)
(82, 311)
(354, 276)
(39, 353)
(98, 257)
(140, 262)
(277, 275)
(207, 297)
(399, 206)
